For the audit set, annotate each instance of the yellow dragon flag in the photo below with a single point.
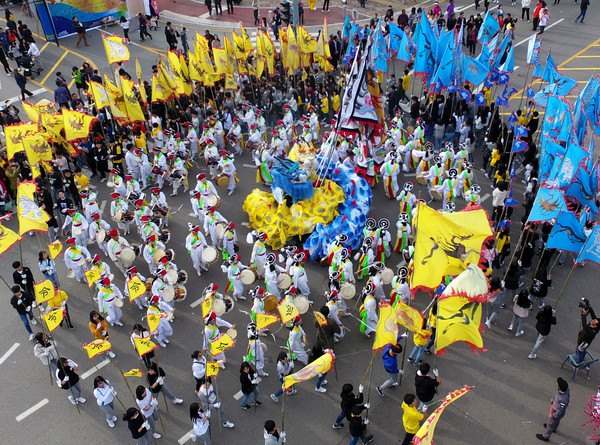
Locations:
(239, 48)
(230, 56)
(220, 56)
(135, 372)
(14, 135)
(99, 94)
(116, 49)
(32, 111)
(321, 319)
(265, 320)
(320, 366)
(132, 104)
(54, 249)
(386, 332)
(44, 291)
(458, 319)
(205, 62)
(181, 78)
(425, 434)
(323, 42)
(283, 48)
(221, 343)
(196, 72)
(201, 42)
(248, 48)
(270, 52)
(408, 316)
(446, 243)
(138, 73)
(96, 347)
(31, 217)
(184, 68)
(293, 56)
(37, 148)
(77, 125)
(53, 319)
(160, 89)
(260, 56)
(144, 345)
(230, 83)
(136, 288)
(54, 124)
(306, 42)
(7, 239)
(115, 99)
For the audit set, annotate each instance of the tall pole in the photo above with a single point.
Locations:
(296, 14)
(51, 23)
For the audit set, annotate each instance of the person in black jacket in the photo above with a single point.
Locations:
(156, 382)
(138, 426)
(426, 387)
(358, 427)
(23, 302)
(588, 332)
(249, 385)
(545, 319)
(539, 286)
(23, 277)
(68, 379)
(46, 203)
(349, 400)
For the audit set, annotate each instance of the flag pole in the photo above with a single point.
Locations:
(525, 85)
(163, 393)
(513, 255)
(564, 285)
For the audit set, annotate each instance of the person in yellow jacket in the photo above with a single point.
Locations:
(421, 338)
(411, 417)
(325, 109)
(82, 182)
(99, 329)
(336, 103)
(60, 301)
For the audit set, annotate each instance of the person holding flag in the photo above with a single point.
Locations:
(23, 301)
(285, 366)
(201, 423)
(411, 417)
(99, 329)
(249, 385)
(390, 363)
(210, 400)
(156, 381)
(59, 301)
(68, 379)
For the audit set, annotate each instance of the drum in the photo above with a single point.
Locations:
(248, 276)
(222, 180)
(77, 231)
(119, 216)
(218, 307)
(182, 277)
(436, 193)
(170, 316)
(156, 170)
(164, 236)
(421, 179)
(213, 201)
(158, 254)
(387, 275)
(136, 249)
(111, 277)
(110, 184)
(232, 333)
(172, 276)
(210, 255)
(180, 292)
(170, 254)
(284, 281)
(100, 235)
(168, 293)
(229, 303)
(301, 302)
(148, 284)
(220, 229)
(127, 256)
(347, 290)
(271, 303)
(118, 302)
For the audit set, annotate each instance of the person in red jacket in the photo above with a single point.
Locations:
(536, 13)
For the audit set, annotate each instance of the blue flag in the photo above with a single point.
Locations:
(538, 70)
(498, 55)
(512, 92)
(564, 170)
(550, 70)
(346, 29)
(510, 201)
(380, 52)
(451, 88)
(542, 96)
(513, 117)
(590, 100)
(485, 55)
(465, 94)
(583, 189)
(501, 101)
(474, 71)
(591, 248)
(445, 41)
(445, 69)
(503, 79)
(509, 64)
(396, 36)
(530, 93)
(579, 121)
(479, 99)
(488, 83)
(557, 120)
(426, 47)
(548, 204)
(489, 28)
(406, 49)
(520, 131)
(567, 233)
(519, 146)
(550, 151)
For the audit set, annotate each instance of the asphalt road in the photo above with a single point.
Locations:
(511, 396)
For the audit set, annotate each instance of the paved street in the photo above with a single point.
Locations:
(511, 398)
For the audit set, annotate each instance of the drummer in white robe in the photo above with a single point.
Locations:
(259, 254)
(152, 244)
(299, 277)
(227, 167)
(118, 212)
(77, 258)
(79, 227)
(115, 246)
(295, 342)
(272, 271)
(334, 310)
(108, 294)
(98, 232)
(211, 332)
(211, 218)
(233, 272)
(195, 243)
(400, 287)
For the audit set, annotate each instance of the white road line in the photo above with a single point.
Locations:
(31, 410)
(17, 99)
(187, 436)
(238, 395)
(547, 28)
(249, 165)
(245, 224)
(485, 197)
(102, 206)
(92, 371)
(9, 352)
(196, 303)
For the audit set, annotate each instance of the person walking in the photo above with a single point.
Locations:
(546, 317)
(358, 426)
(68, 379)
(521, 308)
(325, 5)
(425, 386)
(229, 6)
(148, 405)
(23, 302)
(124, 22)
(390, 363)
(23, 277)
(138, 426)
(544, 19)
(210, 400)
(199, 368)
(48, 267)
(525, 6)
(80, 30)
(583, 8)
(249, 385)
(255, 8)
(140, 332)
(349, 400)
(143, 27)
(105, 397)
(285, 366)
(201, 423)
(560, 402)
(411, 417)
(99, 329)
(156, 380)
(272, 435)
(4, 62)
(45, 350)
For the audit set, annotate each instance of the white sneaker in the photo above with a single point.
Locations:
(519, 333)
(72, 400)
(118, 323)
(31, 336)
(156, 436)
(81, 399)
(114, 419)
(178, 401)
(110, 422)
(274, 398)
(320, 389)
(111, 354)
(510, 328)
(324, 382)
(193, 437)
(166, 341)
(228, 424)
(488, 324)
(162, 343)
(532, 356)
(33, 322)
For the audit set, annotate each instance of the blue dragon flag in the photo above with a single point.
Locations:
(538, 70)
(550, 152)
(563, 170)
(557, 120)
(583, 189)
(591, 248)
(346, 29)
(548, 204)
(509, 64)
(567, 233)
(579, 121)
(380, 52)
(426, 47)
(499, 52)
(445, 69)
(590, 100)
(550, 70)
(474, 71)
(396, 36)
(489, 28)
(406, 49)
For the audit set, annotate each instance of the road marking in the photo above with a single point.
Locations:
(102, 206)
(187, 436)
(485, 197)
(588, 57)
(238, 395)
(249, 165)
(31, 410)
(50, 71)
(34, 93)
(12, 349)
(547, 28)
(44, 47)
(96, 368)
(245, 224)
(585, 68)
(196, 303)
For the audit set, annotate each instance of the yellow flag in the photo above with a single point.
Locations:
(15, 134)
(260, 55)
(135, 372)
(248, 48)
(212, 369)
(471, 284)
(53, 319)
(221, 344)
(293, 56)
(319, 366)
(7, 239)
(77, 125)
(386, 332)
(132, 104)
(458, 319)
(425, 434)
(238, 44)
(230, 83)
(201, 42)
(115, 99)
(408, 316)
(136, 288)
(184, 67)
(230, 56)
(195, 68)
(37, 148)
(447, 243)
(206, 306)
(321, 319)
(55, 249)
(144, 345)
(160, 89)
(211, 78)
(323, 43)
(283, 47)
(92, 276)
(116, 49)
(31, 217)
(153, 321)
(100, 95)
(287, 311)
(306, 42)
(270, 52)
(54, 124)
(32, 111)
(96, 347)
(265, 320)
(138, 72)
(180, 74)
(44, 291)
(220, 57)
(205, 62)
